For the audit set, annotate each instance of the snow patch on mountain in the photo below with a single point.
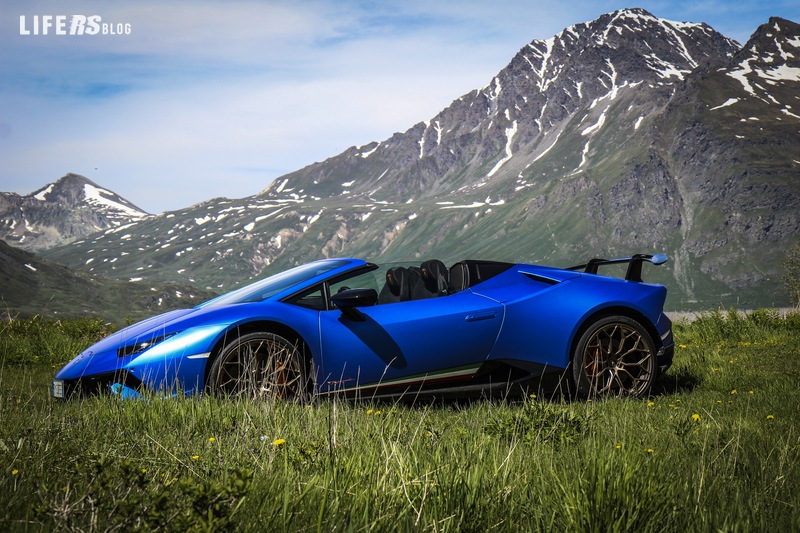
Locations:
(42, 195)
(510, 132)
(103, 199)
(726, 103)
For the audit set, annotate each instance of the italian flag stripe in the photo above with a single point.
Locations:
(431, 377)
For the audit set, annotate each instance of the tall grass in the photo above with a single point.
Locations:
(716, 447)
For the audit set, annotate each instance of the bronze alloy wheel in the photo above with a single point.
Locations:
(615, 357)
(259, 365)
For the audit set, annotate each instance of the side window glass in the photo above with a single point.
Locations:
(311, 299)
(366, 280)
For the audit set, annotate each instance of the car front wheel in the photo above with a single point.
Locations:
(260, 365)
(615, 356)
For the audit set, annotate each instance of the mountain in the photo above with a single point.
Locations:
(62, 212)
(31, 286)
(626, 134)
(732, 142)
(554, 88)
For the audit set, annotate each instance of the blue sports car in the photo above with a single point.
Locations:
(353, 328)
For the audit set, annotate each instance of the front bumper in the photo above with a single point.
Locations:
(122, 383)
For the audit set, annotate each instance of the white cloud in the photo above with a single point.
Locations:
(216, 98)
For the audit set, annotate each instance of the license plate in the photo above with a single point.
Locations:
(58, 388)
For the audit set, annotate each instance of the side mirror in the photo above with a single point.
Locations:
(658, 259)
(348, 302)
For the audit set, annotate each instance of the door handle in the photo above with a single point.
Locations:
(480, 316)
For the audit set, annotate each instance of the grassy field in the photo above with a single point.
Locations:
(715, 448)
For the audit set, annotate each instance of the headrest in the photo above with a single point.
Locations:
(396, 277)
(433, 269)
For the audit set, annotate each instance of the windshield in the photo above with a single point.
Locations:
(263, 289)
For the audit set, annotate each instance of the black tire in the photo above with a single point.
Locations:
(615, 356)
(261, 365)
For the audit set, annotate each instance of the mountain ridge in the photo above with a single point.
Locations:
(61, 212)
(542, 86)
(624, 134)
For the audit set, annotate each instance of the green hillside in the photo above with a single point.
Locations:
(32, 286)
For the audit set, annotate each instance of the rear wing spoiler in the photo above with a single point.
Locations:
(635, 261)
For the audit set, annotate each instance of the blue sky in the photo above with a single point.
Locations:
(210, 98)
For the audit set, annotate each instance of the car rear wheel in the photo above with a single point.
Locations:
(260, 365)
(615, 356)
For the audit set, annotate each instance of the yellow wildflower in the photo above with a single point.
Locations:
(212, 440)
(279, 442)
(14, 472)
(696, 417)
(649, 450)
(195, 457)
(770, 417)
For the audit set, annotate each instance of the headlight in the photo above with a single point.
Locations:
(142, 345)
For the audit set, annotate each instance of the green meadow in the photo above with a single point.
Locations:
(716, 447)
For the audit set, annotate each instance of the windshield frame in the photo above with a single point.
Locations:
(279, 283)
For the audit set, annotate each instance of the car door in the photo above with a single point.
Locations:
(408, 342)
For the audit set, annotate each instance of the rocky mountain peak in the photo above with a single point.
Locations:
(640, 46)
(768, 66)
(775, 45)
(582, 69)
(61, 212)
(775, 42)
(68, 190)
(73, 190)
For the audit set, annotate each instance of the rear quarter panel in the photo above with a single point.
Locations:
(542, 319)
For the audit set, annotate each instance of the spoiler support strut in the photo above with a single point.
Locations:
(635, 261)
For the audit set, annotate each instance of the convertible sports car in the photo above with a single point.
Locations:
(349, 327)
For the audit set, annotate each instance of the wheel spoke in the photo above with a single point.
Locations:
(260, 367)
(617, 360)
